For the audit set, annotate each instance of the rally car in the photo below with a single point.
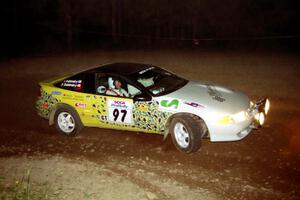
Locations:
(147, 98)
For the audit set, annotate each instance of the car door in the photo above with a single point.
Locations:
(148, 117)
(119, 112)
(137, 112)
(110, 109)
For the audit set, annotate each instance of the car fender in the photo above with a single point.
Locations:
(57, 106)
(179, 114)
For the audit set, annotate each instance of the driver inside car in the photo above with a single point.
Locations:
(116, 89)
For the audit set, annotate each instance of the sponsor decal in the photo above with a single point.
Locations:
(73, 97)
(55, 93)
(118, 104)
(214, 93)
(72, 81)
(120, 111)
(193, 104)
(77, 84)
(80, 105)
(170, 103)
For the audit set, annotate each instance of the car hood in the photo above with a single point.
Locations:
(212, 97)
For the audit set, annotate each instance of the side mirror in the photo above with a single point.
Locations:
(142, 97)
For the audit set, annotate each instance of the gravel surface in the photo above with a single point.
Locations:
(110, 164)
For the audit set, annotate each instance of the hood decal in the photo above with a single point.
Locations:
(194, 104)
(210, 96)
(214, 93)
(170, 103)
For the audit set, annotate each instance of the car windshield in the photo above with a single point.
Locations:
(158, 81)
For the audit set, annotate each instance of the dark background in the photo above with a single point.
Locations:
(249, 45)
(55, 25)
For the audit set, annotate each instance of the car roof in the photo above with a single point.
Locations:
(124, 68)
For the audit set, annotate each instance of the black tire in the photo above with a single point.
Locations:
(187, 132)
(72, 125)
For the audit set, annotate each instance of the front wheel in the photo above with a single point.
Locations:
(67, 121)
(187, 132)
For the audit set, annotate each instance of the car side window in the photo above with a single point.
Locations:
(74, 83)
(133, 90)
(114, 86)
(84, 82)
(101, 84)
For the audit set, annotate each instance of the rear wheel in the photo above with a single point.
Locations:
(67, 121)
(187, 132)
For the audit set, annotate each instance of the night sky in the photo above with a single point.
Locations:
(64, 24)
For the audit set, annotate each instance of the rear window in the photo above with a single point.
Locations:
(80, 83)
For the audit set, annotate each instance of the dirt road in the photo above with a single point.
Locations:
(108, 164)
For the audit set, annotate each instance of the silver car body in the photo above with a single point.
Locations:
(213, 103)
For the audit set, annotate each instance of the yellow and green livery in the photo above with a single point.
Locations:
(142, 97)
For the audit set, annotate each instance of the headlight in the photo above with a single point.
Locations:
(260, 117)
(238, 117)
(267, 106)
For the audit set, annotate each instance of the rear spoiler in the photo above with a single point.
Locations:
(54, 80)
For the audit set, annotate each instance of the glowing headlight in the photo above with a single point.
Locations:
(240, 116)
(267, 106)
(260, 117)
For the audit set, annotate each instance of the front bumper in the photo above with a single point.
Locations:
(259, 111)
(255, 118)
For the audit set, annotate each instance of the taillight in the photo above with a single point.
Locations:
(45, 105)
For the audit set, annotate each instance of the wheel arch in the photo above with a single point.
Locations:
(196, 117)
(57, 106)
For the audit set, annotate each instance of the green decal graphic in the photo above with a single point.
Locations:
(167, 103)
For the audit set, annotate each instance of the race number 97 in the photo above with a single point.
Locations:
(120, 111)
(119, 114)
